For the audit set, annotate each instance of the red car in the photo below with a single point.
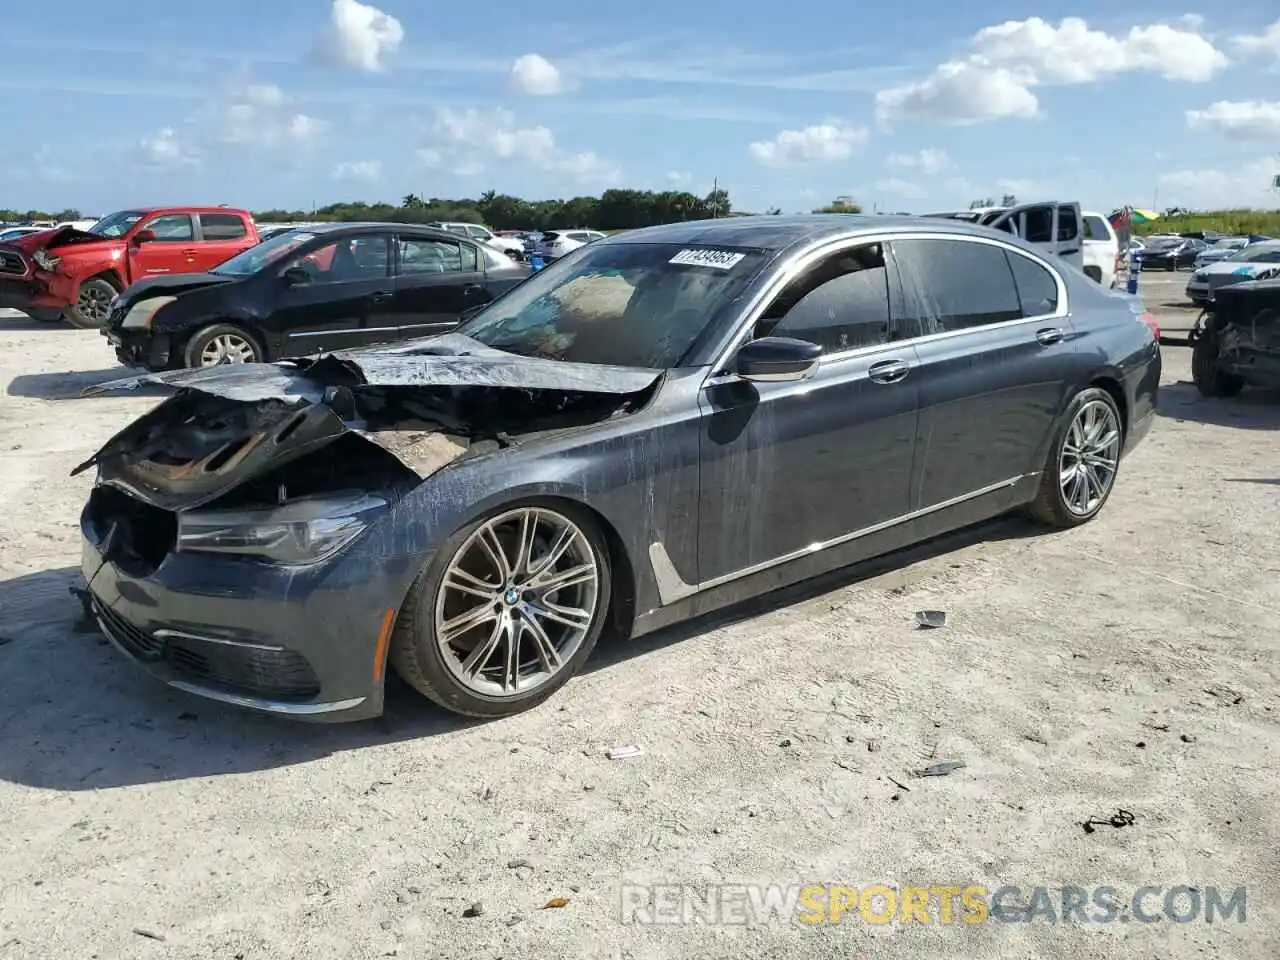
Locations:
(75, 274)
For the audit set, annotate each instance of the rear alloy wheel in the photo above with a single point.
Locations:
(93, 304)
(507, 612)
(1083, 462)
(219, 344)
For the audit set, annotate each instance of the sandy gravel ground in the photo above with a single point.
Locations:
(1130, 664)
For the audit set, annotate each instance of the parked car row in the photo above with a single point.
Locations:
(1257, 260)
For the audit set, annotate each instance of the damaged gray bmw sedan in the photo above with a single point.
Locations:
(660, 424)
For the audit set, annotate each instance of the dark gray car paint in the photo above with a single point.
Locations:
(690, 486)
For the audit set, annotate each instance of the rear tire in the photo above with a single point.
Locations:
(91, 307)
(1209, 380)
(437, 670)
(1076, 482)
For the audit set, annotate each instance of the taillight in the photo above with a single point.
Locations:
(1152, 323)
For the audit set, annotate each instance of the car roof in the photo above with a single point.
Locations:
(364, 226)
(777, 233)
(186, 208)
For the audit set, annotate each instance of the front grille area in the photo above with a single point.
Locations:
(281, 675)
(135, 640)
(12, 263)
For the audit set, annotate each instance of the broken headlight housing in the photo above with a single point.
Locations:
(143, 312)
(307, 530)
(44, 261)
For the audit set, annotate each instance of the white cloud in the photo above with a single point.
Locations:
(1246, 185)
(469, 140)
(996, 80)
(165, 149)
(537, 76)
(369, 171)
(901, 188)
(1239, 119)
(930, 160)
(261, 115)
(359, 36)
(821, 143)
(1264, 44)
(679, 178)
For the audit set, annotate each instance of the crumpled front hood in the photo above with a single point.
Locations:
(450, 360)
(63, 237)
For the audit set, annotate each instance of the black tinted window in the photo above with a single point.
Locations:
(1037, 288)
(1039, 225)
(1096, 229)
(954, 285)
(222, 226)
(1068, 223)
(841, 304)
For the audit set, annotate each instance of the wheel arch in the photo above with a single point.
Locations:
(1111, 384)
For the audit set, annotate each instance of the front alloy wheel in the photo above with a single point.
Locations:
(227, 348)
(507, 612)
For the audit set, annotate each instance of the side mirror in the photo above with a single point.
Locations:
(296, 277)
(144, 236)
(775, 359)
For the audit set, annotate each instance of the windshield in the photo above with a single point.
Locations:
(263, 255)
(117, 224)
(1259, 253)
(631, 304)
(1164, 243)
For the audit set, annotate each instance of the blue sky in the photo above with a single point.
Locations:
(904, 106)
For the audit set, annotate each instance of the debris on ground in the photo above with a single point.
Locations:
(556, 903)
(149, 934)
(1187, 738)
(474, 910)
(626, 753)
(1119, 820)
(1224, 693)
(88, 622)
(900, 786)
(512, 919)
(518, 863)
(941, 769)
(931, 619)
(873, 746)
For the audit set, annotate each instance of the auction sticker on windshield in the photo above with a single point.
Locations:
(718, 259)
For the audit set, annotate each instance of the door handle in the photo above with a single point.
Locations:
(1049, 335)
(471, 289)
(188, 253)
(1067, 253)
(381, 296)
(889, 371)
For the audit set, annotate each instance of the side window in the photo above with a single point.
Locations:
(222, 226)
(1068, 224)
(954, 285)
(1037, 288)
(1038, 225)
(459, 228)
(1096, 229)
(840, 304)
(426, 255)
(173, 228)
(347, 260)
(479, 233)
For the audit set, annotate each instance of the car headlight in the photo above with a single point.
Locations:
(143, 312)
(305, 531)
(44, 261)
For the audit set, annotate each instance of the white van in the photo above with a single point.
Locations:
(1055, 225)
(1101, 248)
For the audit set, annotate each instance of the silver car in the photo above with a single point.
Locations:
(1257, 261)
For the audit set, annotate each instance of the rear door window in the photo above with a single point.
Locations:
(1068, 223)
(222, 226)
(425, 255)
(954, 284)
(1037, 287)
(1038, 224)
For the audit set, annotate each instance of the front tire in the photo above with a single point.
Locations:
(221, 343)
(92, 304)
(1084, 461)
(507, 611)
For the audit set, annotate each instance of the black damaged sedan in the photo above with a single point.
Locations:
(308, 290)
(660, 424)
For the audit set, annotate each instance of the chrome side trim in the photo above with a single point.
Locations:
(201, 638)
(673, 587)
(806, 257)
(268, 706)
